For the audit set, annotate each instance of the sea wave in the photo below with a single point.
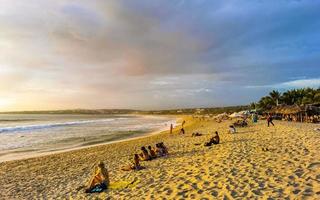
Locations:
(52, 125)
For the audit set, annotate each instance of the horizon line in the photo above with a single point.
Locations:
(121, 109)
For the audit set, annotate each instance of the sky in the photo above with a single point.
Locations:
(154, 54)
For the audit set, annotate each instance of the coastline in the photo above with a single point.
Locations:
(7, 156)
(237, 168)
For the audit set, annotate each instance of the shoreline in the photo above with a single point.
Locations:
(36, 154)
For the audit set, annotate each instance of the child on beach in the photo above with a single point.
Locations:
(100, 180)
(135, 164)
(152, 152)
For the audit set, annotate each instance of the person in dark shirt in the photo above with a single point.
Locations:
(269, 120)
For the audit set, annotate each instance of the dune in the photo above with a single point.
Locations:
(237, 168)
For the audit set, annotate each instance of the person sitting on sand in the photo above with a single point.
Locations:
(100, 179)
(144, 155)
(135, 164)
(152, 152)
(159, 150)
(213, 140)
(232, 129)
(182, 131)
(165, 149)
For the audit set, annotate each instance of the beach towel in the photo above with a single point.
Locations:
(123, 184)
(113, 186)
(97, 188)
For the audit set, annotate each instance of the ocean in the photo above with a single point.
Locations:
(29, 135)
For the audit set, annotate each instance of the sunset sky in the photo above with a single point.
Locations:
(154, 54)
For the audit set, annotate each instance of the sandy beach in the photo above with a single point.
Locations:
(237, 168)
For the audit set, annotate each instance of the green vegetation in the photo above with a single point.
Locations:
(216, 110)
(303, 96)
(209, 111)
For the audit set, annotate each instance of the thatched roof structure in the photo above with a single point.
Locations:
(221, 116)
(312, 109)
(287, 109)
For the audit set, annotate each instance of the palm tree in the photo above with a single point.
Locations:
(301, 96)
(275, 95)
(308, 96)
(266, 103)
(253, 105)
(288, 97)
(300, 93)
(316, 98)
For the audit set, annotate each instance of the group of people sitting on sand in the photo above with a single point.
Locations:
(146, 155)
(99, 181)
(240, 123)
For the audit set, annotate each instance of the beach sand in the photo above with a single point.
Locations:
(237, 168)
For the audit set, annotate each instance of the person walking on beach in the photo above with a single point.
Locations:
(269, 120)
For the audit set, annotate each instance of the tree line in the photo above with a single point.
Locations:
(302, 96)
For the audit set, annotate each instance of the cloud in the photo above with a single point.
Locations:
(300, 83)
(121, 53)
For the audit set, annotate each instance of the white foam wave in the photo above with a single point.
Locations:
(51, 125)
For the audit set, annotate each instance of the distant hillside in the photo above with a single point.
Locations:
(76, 111)
(216, 110)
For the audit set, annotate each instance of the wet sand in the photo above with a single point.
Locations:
(237, 168)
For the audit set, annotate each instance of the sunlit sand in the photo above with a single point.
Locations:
(237, 168)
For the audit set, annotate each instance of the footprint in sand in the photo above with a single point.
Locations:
(314, 166)
(299, 172)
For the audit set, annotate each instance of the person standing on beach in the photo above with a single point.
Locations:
(183, 123)
(269, 120)
(254, 118)
(171, 128)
